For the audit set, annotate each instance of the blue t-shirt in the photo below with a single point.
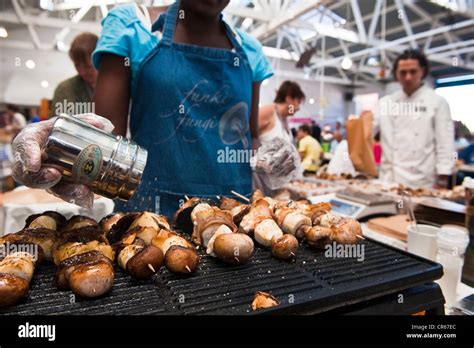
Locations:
(125, 35)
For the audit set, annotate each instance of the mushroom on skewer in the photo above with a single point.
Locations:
(292, 221)
(16, 271)
(179, 255)
(132, 236)
(23, 251)
(215, 230)
(331, 227)
(259, 222)
(237, 209)
(84, 258)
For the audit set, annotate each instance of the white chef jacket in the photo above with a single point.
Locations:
(417, 137)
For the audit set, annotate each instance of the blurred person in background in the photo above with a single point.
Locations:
(315, 131)
(309, 149)
(337, 138)
(34, 115)
(79, 89)
(273, 125)
(417, 133)
(377, 150)
(14, 120)
(273, 118)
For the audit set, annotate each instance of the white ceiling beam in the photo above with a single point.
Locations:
(246, 12)
(427, 17)
(394, 43)
(375, 20)
(31, 30)
(450, 46)
(402, 15)
(269, 28)
(327, 79)
(8, 17)
(359, 21)
(65, 6)
(457, 52)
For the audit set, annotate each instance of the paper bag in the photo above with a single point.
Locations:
(359, 138)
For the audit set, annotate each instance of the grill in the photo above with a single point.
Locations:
(313, 283)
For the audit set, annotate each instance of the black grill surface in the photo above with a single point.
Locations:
(312, 283)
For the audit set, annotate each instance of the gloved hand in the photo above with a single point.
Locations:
(27, 167)
(279, 160)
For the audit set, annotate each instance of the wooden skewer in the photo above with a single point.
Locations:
(187, 267)
(151, 268)
(240, 196)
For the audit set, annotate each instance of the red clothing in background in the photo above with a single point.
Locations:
(377, 153)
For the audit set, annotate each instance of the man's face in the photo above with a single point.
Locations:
(409, 74)
(293, 105)
(87, 71)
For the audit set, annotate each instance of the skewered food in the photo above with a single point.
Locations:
(77, 241)
(284, 247)
(108, 221)
(88, 274)
(264, 300)
(43, 237)
(237, 209)
(78, 221)
(314, 211)
(84, 258)
(140, 261)
(180, 256)
(259, 222)
(16, 271)
(49, 219)
(331, 227)
(214, 229)
(292, 221)
(233, 248)
(132, 237)
(207, 220)
(183, 219)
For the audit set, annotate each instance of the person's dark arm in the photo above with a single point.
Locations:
(254, 114)
(112, 92)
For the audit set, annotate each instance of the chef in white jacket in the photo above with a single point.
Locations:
(417, 133)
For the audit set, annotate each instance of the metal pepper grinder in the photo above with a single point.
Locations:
(110, 165)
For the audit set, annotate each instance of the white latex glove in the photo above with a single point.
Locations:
(27, 165)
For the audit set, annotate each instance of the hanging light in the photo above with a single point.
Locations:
(346, 63)
(3, 32)
(30, 64)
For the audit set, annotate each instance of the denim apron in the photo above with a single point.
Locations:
(190, 110)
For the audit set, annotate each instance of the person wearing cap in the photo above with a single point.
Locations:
(417, 133)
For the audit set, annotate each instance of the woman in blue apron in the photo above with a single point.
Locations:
(191, 103)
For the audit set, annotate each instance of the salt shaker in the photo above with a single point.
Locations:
(110, 165)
